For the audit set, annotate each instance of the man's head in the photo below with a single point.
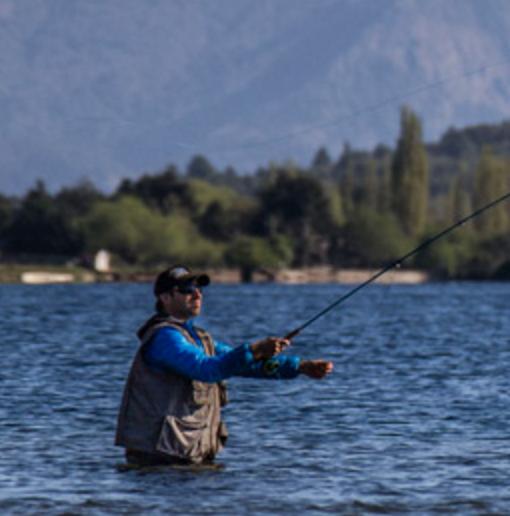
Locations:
(178, 292)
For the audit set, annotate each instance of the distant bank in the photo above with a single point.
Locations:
(322, 274)
(53, 275)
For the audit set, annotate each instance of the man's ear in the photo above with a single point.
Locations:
(166, 296)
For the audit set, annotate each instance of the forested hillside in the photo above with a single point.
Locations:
(361, 209)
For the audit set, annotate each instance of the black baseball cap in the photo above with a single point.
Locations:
(178, 275)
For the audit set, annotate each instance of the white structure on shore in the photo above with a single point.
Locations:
(102, 261)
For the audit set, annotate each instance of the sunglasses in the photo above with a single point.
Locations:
(188, 289)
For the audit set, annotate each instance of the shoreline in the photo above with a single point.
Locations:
(38, 275)
(35, 274)
(322, 274)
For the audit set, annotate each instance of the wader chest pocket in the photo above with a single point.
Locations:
(181, 437)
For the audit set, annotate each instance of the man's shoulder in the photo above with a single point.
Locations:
(171, 329)
(175, 330)
(199, 328)
(201, 331)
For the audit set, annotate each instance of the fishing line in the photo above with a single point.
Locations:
(370, 109)
(278, 138)
(396, 263)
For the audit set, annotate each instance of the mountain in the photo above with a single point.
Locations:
(107, 89)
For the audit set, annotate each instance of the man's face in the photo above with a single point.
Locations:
(184, 301)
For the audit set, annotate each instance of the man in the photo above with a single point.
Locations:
(170, 410)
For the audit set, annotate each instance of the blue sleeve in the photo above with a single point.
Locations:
(169, 349)
(281, 367)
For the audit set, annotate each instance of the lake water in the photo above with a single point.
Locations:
(414, 419)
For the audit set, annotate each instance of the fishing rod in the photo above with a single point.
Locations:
(395, 263)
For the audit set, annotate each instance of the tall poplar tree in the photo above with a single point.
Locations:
(322, 161)
(410, 176)
(459, 199)
(384, 191)
(491, 181)
(343, 171)
(370, 185)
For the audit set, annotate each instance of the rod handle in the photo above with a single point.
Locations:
(292, 334)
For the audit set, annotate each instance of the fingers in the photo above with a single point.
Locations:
(275, 345)
(317, 369)
(279, 344)
(269, 347)
(323, 368)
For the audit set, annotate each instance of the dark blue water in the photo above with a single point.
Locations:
(414, 419)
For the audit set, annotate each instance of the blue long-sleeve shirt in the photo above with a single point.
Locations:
(169, 349)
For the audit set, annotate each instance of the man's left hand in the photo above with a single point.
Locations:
(316, 369)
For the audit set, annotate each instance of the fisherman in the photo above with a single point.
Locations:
(170, 410)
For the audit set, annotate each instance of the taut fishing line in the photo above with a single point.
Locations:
(395, 263)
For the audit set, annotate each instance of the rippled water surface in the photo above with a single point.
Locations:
(414, 419)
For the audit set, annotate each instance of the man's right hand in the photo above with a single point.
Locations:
(268, 347)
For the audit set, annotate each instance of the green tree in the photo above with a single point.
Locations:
(491, 182)
(203, 194)
(343, 171)
(384, 196)
(321, 163)
(459, 202)
(371, 239)
(77, 200)
(450, 257)
(137, 234)
(126, 227)
(410, 176)
(255, 253)
(189, 246)
(165, 192)
(296, 205)
(489, 257)
(37, 227)
(6, 212)
(221, 213)
(200, 168)
(218, 223)
(370, 186)
(332, 192)
(347, 191)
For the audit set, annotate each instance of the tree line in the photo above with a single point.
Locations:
(362, 210)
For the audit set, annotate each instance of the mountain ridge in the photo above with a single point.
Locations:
(108, 90)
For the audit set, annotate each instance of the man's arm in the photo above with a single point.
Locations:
(281, 367)
(169, 350)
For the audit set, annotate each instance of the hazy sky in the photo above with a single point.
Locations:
(106, 89)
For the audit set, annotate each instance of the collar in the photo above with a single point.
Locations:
(184, 322)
